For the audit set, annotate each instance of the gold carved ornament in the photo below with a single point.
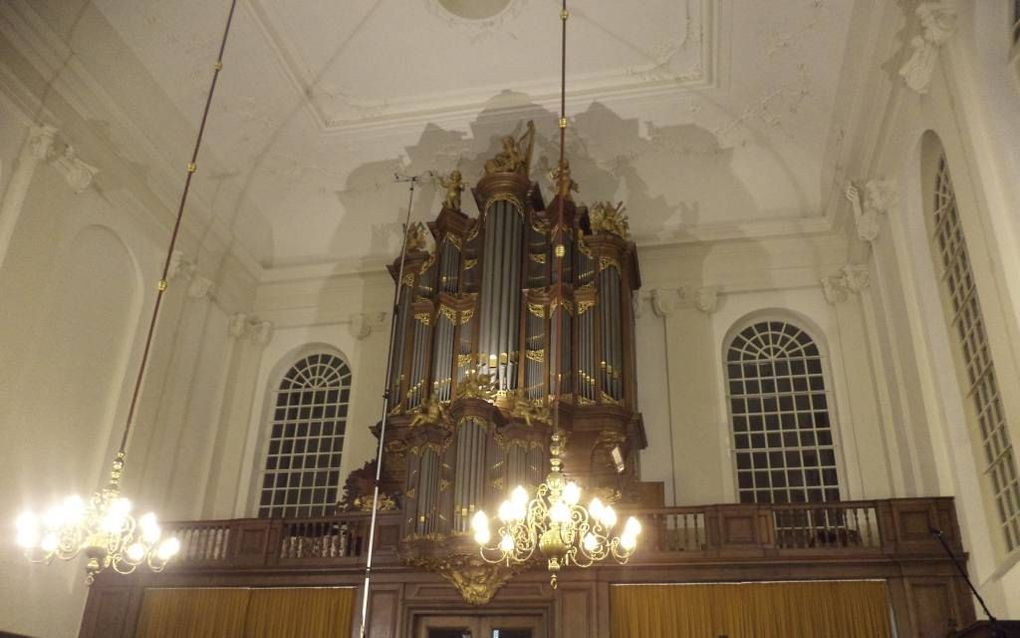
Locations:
(415, 237)
(530, 412)
(511, 159)
(477, 385)
(454, 185)
(609, 219)
(432, 411)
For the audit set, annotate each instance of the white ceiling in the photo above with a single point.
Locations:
(707, 117)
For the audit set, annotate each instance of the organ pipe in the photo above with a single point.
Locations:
(482, 301)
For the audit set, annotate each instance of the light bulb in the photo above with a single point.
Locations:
(28, 530)
(632, 526)
(596, 507)
(121, 506)
(590, 542)
(608, 517)
(519, 496)
(150, 529)
(628, 542)
(113, 523)
(135, 552)
(49, 543)
(506, 511)
(572, 493)
(518, 511)
(506, 544)
(74, 509)
(27, 521)
(559, 513)
(479, 521)
(168, 548)
(54, 518)
(482, 536)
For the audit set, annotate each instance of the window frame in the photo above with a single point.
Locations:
(267, 422)
(806, 327)
(936, 157)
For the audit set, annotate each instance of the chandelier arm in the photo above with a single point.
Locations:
(161, 289)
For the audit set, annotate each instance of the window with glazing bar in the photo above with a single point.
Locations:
(306, 439)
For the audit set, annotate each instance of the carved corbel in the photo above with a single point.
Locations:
(851, 279)
(664, 302)
(40, 141)
(706, 299)
(880, 197)
(244, 326)
(77, 173)
(362, 324)
(200, 287)
(937, 23)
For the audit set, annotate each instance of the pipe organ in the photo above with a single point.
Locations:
(475, 363)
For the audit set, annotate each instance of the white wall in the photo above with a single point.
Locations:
(972, 106)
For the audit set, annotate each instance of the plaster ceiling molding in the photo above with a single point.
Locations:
(852, 278)
(880, 197)
(458, 79)
(478, 18)
(937, 22)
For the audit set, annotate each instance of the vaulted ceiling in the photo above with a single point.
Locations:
(708, 118)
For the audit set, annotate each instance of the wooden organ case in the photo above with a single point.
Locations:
(470, 389)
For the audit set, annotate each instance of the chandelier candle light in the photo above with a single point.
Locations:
(553, 521)
(103, 528)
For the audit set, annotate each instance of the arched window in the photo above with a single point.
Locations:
(302, 470)
(963, 309)
(780, 415)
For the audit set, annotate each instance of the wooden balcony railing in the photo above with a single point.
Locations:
(252, 543)
(881, 527)
(853, 528)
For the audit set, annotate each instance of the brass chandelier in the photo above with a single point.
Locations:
(103, 528)
(555, 523)
(552, 520)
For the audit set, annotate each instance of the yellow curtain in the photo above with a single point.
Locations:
(248, 613)
(850, 609)
(300, 613)
(193, 613)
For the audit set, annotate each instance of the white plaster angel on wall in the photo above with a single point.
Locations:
(938, 22)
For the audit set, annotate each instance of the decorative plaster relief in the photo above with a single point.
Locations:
(665, 301)
(880, 197)
(706, 299)
(185, 269)
(852, 279)
(245, 326)
(362, 324)
(77, 173)
(938, 23)
(40, 140)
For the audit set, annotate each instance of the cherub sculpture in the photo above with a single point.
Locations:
(562, 182)
(511, 159)
(454, 186)
(431, 412)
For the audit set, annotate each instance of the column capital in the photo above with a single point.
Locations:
(246, 326)
(362, 324)
(852, 278)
